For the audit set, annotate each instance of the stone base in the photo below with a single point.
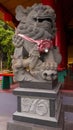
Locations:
(19, 125)
(16, 125)
(38, 104)
(50, 85)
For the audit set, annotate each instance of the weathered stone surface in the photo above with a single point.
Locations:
(39, 85)
(38, 92)
(26, 126)
(12, 125)
(35, 58)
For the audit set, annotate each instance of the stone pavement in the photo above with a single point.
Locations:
(3, 122)
(7, 108)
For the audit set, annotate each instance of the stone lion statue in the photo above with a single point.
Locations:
(35, 58)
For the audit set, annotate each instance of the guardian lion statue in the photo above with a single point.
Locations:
(35, 57)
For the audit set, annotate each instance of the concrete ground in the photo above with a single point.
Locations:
(8, 105)
(3, 122)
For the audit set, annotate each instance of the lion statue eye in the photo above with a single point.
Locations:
(42, 20)
(35, 19)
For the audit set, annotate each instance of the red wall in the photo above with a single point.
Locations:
(60, 39)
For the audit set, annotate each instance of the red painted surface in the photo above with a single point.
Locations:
(49, 2)
(60, 39)
(7, 17)
(7, 74)
(67, 10)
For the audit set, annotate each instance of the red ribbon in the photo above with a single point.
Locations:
(42, 44)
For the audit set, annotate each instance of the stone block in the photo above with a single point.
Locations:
(13, 125)
(39, 85)
(16, 125)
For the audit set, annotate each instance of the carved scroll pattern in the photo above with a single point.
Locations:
(35, 106)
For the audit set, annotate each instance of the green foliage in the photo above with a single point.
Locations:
(6, 45)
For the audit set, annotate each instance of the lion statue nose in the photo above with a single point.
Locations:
(49, 75)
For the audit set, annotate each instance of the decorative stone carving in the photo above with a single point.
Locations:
(35, 106)
(35, 58)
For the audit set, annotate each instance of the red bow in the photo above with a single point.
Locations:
(42, 44)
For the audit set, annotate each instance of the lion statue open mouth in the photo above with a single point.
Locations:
(35, 58)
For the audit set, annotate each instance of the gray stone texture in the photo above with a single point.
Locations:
(16, 125)
(39, 85)
(37, 23)
(52, 108)
(38, 92)
(18, 103)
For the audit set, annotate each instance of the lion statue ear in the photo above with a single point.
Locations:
(20, 12)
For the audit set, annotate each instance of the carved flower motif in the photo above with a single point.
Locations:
(26, 104)
(42, 107)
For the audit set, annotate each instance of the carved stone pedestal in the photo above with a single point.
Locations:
(37, 109)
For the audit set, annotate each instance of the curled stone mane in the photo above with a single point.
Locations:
(36, 22)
